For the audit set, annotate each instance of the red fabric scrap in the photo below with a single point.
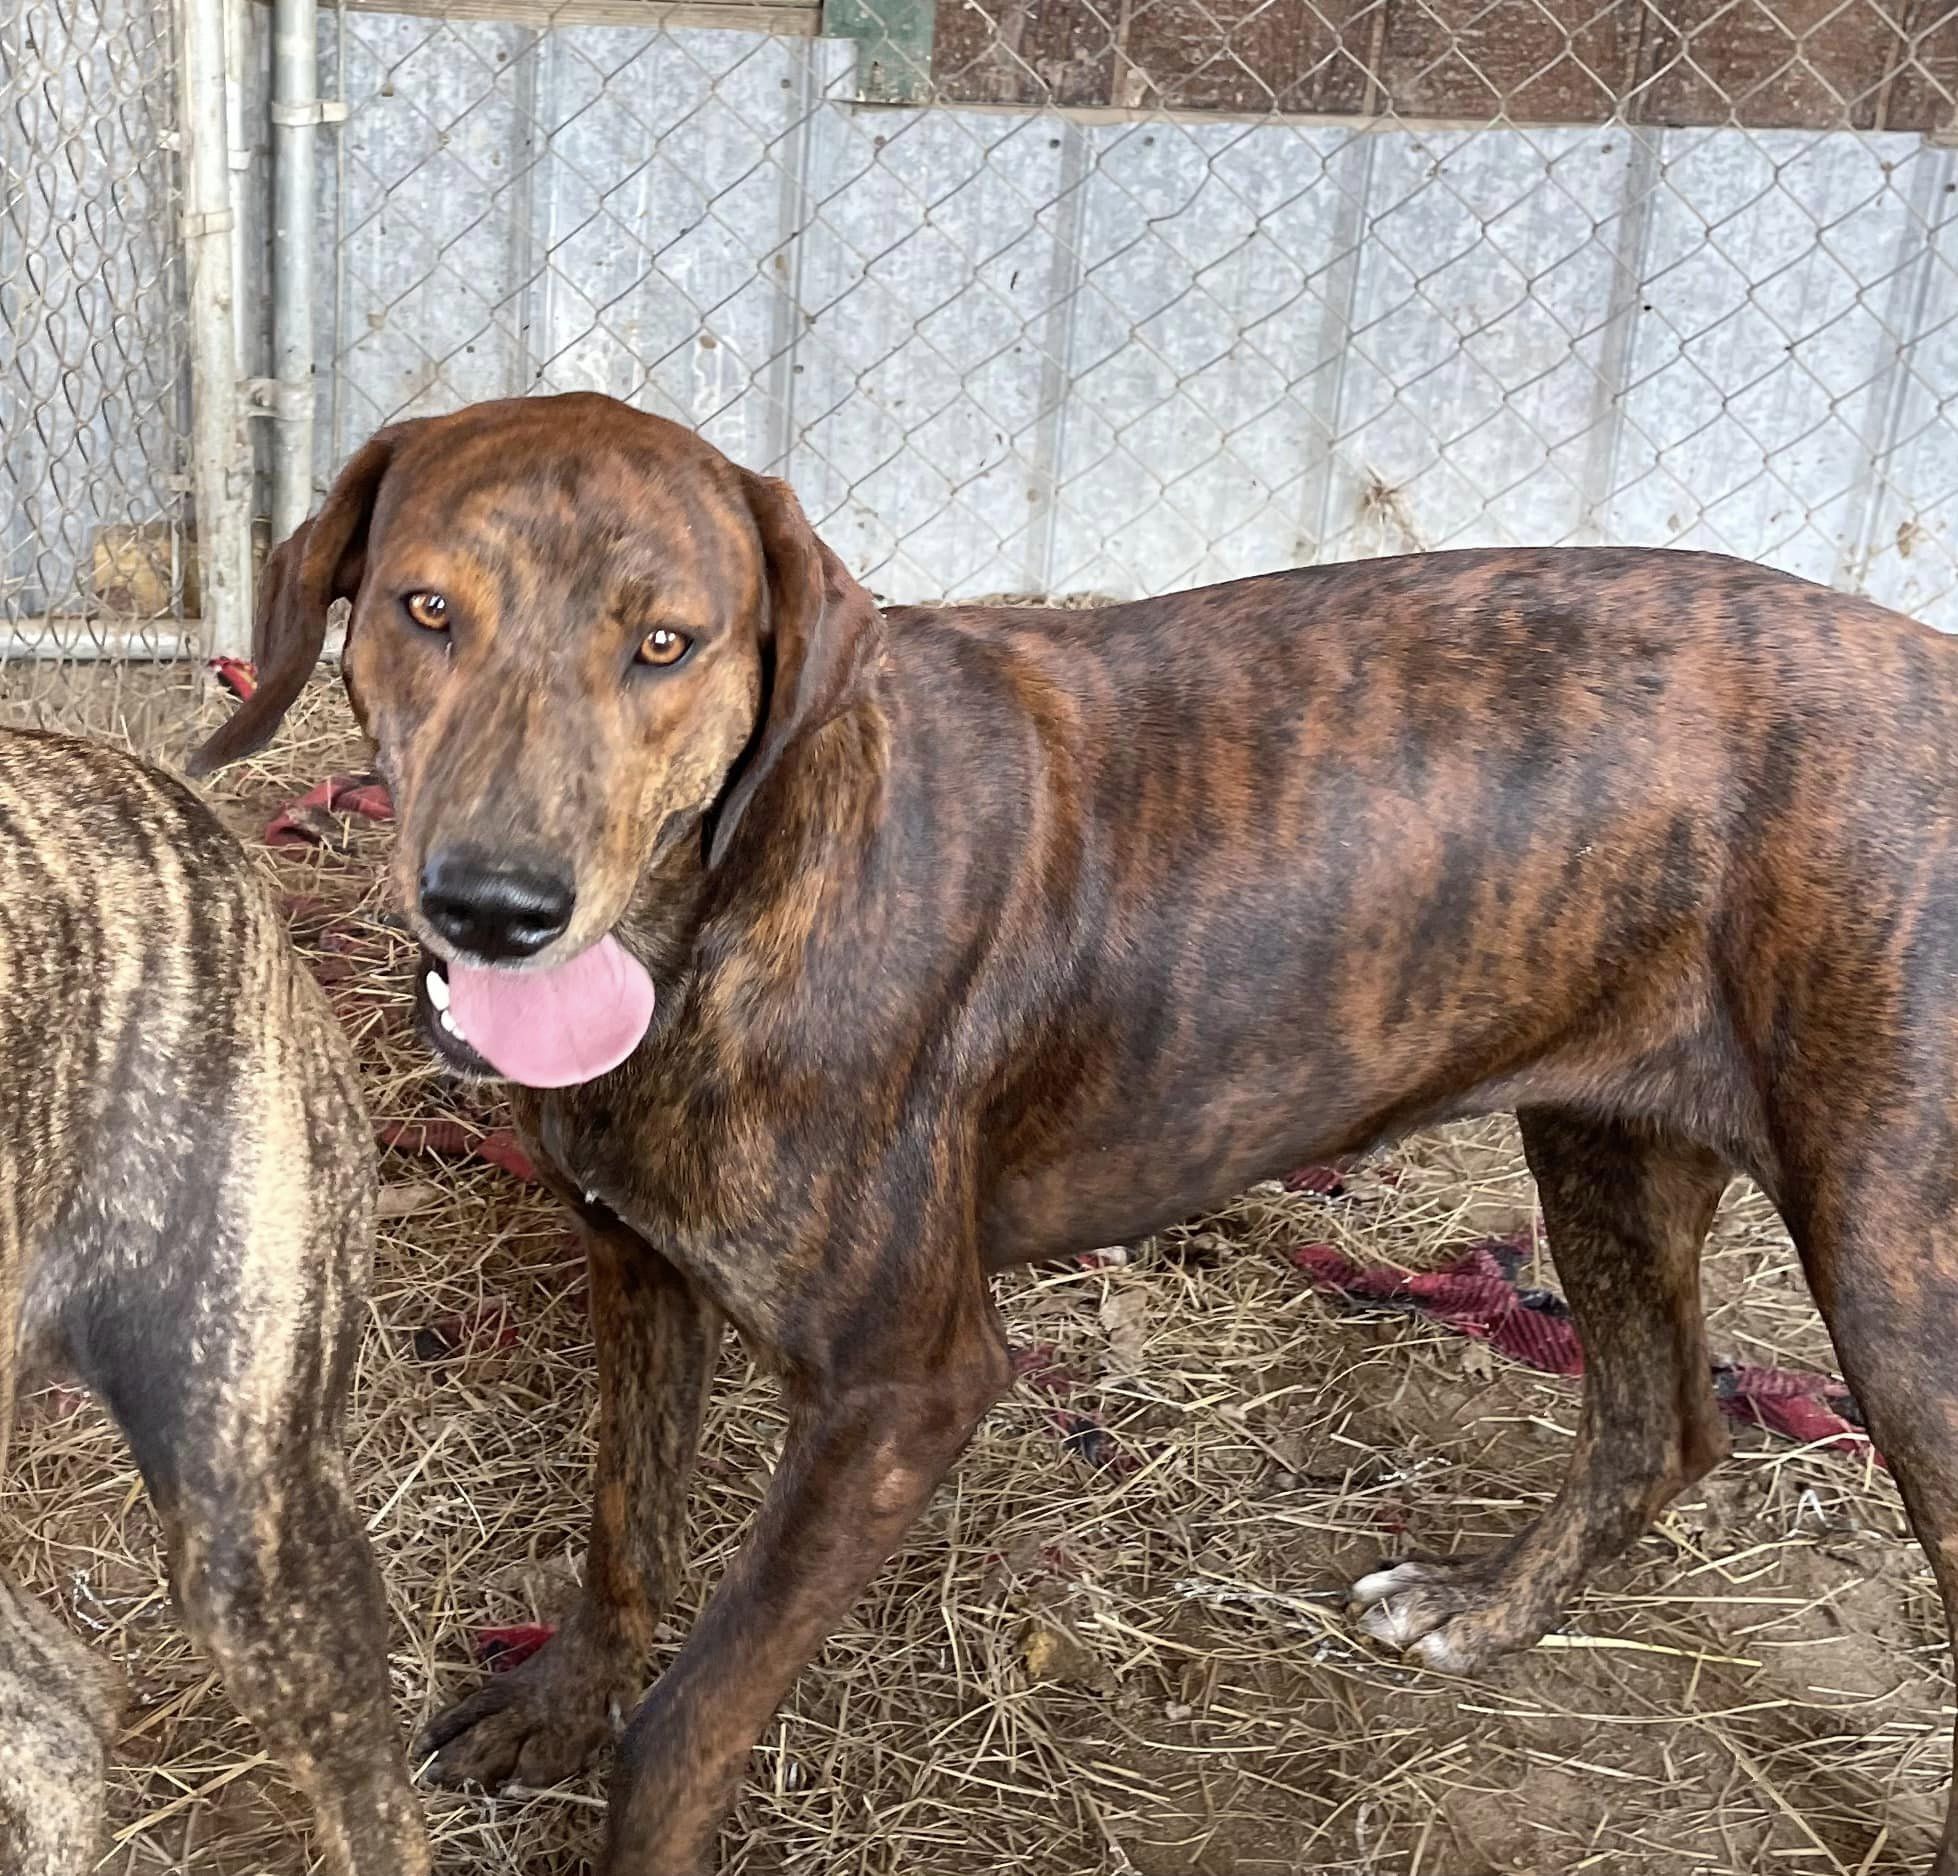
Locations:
(489, 1327)
(1325, 1182)
(1328, 1181)
(501, 1649)
(306, 819)
(450, 1139)
(1478, 1295)
(1813, 1409)
(1084, 1434)
(238, 675)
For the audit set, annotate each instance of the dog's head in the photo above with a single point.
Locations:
(579, 635)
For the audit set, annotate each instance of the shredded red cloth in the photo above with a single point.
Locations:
(489, 1326)
(501, 1649)
(309, 817)
(1475, 1295)
(1815, 1409)
(1083, 1433)
(238, 675)
(1328, 1181)
(1325, 1182)
(1479, 1295)
(450, 1139)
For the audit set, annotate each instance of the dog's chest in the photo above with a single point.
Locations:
(585, 1143)
(680, 1173)
(663, 1168)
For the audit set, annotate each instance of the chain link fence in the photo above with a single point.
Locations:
(97, 546)
(1117, 296)
(1119, 310)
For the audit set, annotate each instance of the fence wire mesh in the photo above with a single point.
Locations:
(1142, 295)
(97, 554)
(1113, 315)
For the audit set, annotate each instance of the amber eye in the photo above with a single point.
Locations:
(663, 647)
(428, 610)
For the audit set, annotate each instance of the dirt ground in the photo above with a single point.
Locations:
(1106, 1649)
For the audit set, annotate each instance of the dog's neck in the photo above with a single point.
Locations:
(817, 818)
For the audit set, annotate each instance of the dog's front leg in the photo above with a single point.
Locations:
(655, 1336)
(866, 1446)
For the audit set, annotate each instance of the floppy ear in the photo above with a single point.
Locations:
(320, 562)
(820, 641)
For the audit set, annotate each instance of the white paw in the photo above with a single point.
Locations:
(1406, 1607)
(1435, 1650)
(1400, 1621)
(1384, 1583)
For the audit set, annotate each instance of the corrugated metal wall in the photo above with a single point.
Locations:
(1011, 352)
(94, 387)
(1008, 351)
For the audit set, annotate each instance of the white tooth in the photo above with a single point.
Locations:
(449, 1023)
(438, 990)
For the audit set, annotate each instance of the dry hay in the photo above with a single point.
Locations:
(1070, 1671)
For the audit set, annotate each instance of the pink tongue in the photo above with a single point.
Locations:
(550, 1029)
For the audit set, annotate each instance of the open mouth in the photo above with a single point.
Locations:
(436, 1021)
(553, 1027)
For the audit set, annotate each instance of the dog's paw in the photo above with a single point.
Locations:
(536, 1725)
(1454, 1617)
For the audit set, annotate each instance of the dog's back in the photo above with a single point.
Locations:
(186, 1216)
(173, 1078)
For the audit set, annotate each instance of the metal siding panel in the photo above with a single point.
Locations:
(93, 374)
(1003, 352)
(432, 274)
(1479, 332)
(922, 281)
(1911, 555)
(1204, 326)
(1759, 346)
(661, 220)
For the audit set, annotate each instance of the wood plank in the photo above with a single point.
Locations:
(1798, 64)
(1871, 64)
(1036, 52)
(1922, 94)
(1513, 60)
(1289, 56)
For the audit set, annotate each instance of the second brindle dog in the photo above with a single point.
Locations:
(186, 1219)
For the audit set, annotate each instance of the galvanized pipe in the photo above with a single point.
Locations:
(296, 119)
(221, 463)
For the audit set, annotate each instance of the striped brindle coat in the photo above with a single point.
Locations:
(982, 936)
(186, 1222)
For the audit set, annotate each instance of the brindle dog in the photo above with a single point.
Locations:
(981, 936)
(186, 1218)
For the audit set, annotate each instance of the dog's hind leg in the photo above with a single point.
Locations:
(656, 1337)
(1880, 1246)
(229, 1379)
(58, 1707)
(1627, 1212)
(275, 1580)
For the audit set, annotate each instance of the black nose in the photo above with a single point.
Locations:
(491, 910)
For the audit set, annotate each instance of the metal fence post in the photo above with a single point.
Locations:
(221, 464)
(297, 114)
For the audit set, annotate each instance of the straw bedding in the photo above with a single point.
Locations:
(1114, 1644)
